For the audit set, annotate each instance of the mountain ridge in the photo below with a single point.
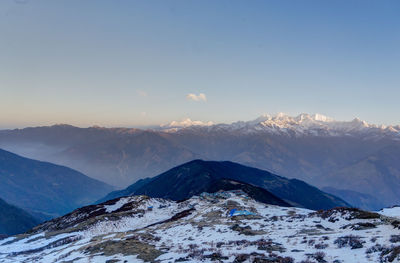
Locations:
(198, 176)
(43, 187)
(283, 124)
(278, 123)
(14, 220)
(121, 156)
(228, 226)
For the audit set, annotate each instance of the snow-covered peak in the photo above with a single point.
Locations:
(186, 123)
(320, 117)
(303, 124)
(315, 117)
(281, 115)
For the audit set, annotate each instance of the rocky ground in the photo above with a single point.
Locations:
(222, 227)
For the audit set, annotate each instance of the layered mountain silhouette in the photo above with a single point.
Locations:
(377, 174)
(117, 156)
(359, 200)
(14, 220)
(45, 188)
(199, 176)
(348, 156)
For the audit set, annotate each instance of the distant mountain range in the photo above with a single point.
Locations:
(196, 177)
(301, 125)
(347, 156)
(14, 220)
(44, 189)
(364, 201)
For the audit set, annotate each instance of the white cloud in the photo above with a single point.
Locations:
(194, 97)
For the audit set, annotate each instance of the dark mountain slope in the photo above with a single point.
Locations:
(197, 176)
(44, 187)
(14, 220)
(257, 193)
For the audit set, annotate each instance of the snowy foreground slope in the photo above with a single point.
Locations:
(221, 227)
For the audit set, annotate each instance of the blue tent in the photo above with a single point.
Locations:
(235, 212)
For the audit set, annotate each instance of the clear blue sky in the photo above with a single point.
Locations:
(126, 63)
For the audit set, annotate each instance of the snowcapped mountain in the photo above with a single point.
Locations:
(303, 124)
(186, 123)
(221, 227)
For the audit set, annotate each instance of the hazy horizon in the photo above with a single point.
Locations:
(159, 125)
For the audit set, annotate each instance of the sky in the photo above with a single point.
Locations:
(138, 63)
